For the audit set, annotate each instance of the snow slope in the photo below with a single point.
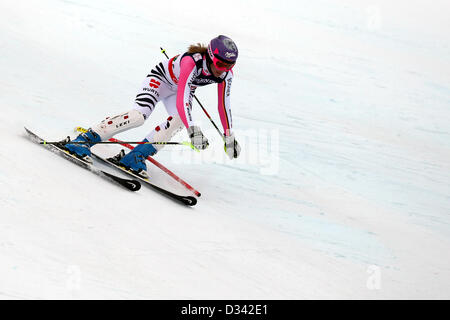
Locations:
(342, 189)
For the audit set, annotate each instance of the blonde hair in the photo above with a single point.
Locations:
(198, 48)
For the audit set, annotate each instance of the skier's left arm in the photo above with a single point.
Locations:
(231, 147)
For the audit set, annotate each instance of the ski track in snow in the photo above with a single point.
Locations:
(358, 96)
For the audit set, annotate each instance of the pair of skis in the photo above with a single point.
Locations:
(130, 184)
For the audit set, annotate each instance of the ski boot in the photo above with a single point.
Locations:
(134, 161)
(82, 150)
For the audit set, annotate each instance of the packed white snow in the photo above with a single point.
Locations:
(342, 189)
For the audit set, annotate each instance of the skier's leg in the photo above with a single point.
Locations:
(151, 92)
(135, 160)
(166, 130)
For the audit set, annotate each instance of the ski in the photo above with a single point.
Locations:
(132, 185)
(153, 161)
(186, 200)
(163, 168)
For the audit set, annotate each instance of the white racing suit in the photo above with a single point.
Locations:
(173, 82)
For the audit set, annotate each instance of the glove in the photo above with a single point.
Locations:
(232, 147)
(197, 138)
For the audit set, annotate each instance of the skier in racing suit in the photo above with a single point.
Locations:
(173, 82)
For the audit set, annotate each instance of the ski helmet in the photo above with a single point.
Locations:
(223, 53)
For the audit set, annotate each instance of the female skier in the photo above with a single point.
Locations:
(174, 83)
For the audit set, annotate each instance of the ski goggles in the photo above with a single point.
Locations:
(219, 64)
(222, 66)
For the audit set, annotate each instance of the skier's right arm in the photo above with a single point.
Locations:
(188, 72)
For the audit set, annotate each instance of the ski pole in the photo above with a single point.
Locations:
(111, 142)
(185, 143)
(198, 101)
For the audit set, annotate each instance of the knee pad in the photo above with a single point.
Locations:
(122, 122)
(165, 131)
